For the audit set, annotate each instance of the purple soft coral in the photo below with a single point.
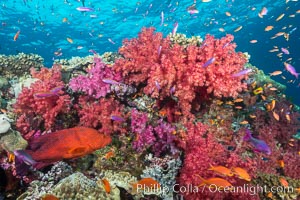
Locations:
(159, 138)
(94, 83)
(164, 138)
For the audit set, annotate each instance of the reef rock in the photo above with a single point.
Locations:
(77, 187)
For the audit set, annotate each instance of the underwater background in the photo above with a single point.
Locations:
(98, 98)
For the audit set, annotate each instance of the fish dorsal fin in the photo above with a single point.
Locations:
(77, 150)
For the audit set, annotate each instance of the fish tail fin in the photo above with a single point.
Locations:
(25, 157)
(247, 136)
(202, 179)
(23, 161)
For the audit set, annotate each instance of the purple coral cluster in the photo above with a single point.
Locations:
(159, 137)
(92, 84)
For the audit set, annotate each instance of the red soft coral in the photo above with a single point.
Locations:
(201, 151)
(170, 70)
(97, 114)
(40, 113)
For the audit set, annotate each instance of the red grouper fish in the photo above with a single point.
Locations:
(63, 144)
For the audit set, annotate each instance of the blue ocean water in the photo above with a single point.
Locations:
(45, 26)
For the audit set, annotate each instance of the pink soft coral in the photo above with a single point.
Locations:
(179, 72)
(35, 113)
(92, 84)
(98, 114)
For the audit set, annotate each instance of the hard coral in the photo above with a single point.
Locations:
(34, 113)
(164, 70)
(164, 170)
(92, 84)
(47, 181)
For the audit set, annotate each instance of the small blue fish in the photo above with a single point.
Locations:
(161, 18)
(111, 41)
(175, 27)
(297, 136)
(225, 45)
(84, 9)
(40, 95)
(172, 90)
(285, 51)
(93, 51)
(291, 69)
(241, 73)
(157, 85)
(51, 93)
(110, 81)
(210, 61)
(259, 145)
(159, 50)
(56, 89)
(117, 118)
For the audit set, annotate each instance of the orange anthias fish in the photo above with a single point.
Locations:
(70, 40)
(283, 182)
(221, 170)
(241, 173)
(106, 185)
(17, 35)
(219, 182)
(64, 144)
(109, 155)
(49, 197)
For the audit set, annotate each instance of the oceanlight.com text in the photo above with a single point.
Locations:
(246, 188)
(252, 190)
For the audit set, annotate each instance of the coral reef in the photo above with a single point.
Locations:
(93, 83)
(165, 171)
(187, 74)
(37, 108)
(201, 151)
(174, 108)
(270, 181)
(77, 186)
(184, 41)
(98, 114)
(46, 182)
(11, 141)
(74, 63)
(18, 65)
(120, 179)
(159, 138)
